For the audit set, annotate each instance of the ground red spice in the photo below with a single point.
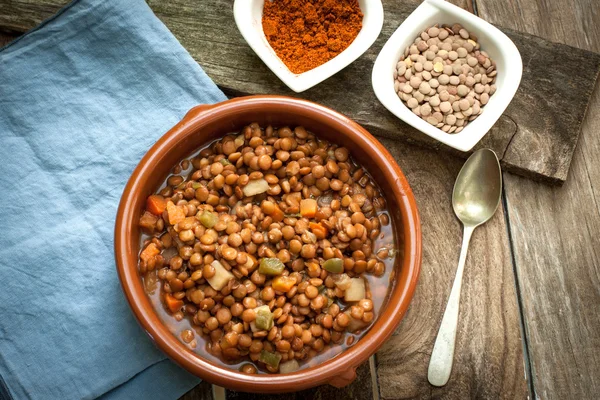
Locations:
(308, 33)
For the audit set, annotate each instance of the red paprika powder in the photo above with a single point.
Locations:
(308, 33)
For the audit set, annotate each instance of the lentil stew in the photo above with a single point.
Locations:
(269, 250)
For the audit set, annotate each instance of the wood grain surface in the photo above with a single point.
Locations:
(488, 361)
(555, 232)
(6, 38)
(209, 33)
(201, 392)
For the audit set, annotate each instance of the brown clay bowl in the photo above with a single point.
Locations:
(206, 123)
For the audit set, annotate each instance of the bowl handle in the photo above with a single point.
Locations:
(344, 379)
(196, 111)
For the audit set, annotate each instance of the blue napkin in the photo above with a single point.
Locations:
(81, 100)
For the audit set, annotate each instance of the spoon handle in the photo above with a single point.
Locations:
(440, 364)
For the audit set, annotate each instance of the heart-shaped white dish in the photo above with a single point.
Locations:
(500, 48)
(248, 17)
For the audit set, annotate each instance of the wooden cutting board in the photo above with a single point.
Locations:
(549, 107)
(535, 137)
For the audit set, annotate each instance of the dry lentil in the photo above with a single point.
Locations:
(435, 76)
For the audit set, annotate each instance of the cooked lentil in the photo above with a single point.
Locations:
(275, 244)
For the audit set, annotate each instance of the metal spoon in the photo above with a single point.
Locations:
(475, 198)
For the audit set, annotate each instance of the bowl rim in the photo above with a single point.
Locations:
(242, 13)
(338, 371)
(383, 82)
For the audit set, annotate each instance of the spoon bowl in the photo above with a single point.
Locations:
(478, 188)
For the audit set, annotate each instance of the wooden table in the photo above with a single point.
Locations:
(530, 323)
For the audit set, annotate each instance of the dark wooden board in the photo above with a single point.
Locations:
(549, 107)
(531, 141)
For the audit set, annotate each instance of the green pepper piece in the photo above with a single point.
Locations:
(264, 318)
(271, 266)
(208, 219)
(334, 265)
(271, 359)
(224, 161)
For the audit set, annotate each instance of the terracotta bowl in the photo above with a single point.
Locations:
(205, 123)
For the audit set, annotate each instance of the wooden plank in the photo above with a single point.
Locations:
(556, 231)
(201, 392)
(22, 15)
(360, 389)
(209, 33)
(488, 362)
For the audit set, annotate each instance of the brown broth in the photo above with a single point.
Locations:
(378, 287)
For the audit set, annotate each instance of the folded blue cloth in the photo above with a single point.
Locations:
(81, 100)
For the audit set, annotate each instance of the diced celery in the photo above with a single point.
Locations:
(208, 219)
(264, 318)
(271, 266)
(289, 366)
(196, 185)
(271, 359)
(221, 277)
(334, 265)
(356, 291)
(224, 161)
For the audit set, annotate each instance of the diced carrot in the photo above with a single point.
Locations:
(308, 208)
(272, 209)
(150, 251)
(277, 214)
(319, 230)
(156, 204)
(283, 283)
(172, 303)
(148, 221)
(176, 213)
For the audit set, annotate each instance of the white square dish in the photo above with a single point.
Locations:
(248, 17)
(499, 47)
